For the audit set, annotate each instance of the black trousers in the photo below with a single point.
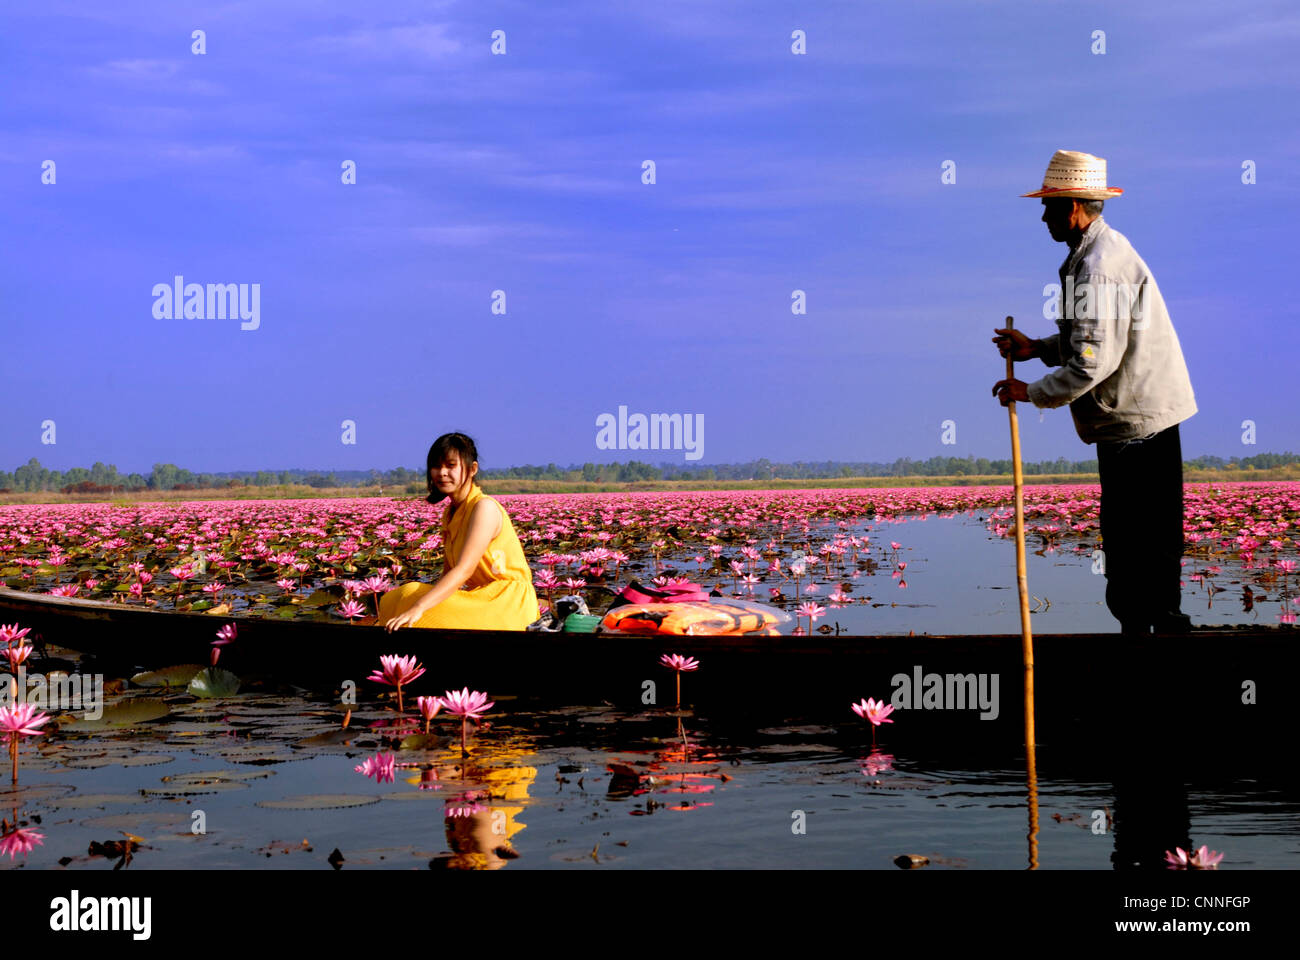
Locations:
(1142, 527)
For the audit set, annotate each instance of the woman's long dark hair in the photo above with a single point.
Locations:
(462, 444)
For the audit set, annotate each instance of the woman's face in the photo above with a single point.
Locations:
(451, 475)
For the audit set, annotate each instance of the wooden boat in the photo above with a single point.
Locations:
(1208, 677)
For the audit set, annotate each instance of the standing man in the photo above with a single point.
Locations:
(1121, 370)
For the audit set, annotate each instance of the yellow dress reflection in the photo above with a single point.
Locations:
(481, 840)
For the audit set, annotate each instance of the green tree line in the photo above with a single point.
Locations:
(31, 476)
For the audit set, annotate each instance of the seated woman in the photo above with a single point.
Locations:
(486, 583)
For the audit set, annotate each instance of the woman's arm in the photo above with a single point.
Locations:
(484, 524)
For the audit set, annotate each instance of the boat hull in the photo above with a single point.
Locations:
(1218, 681)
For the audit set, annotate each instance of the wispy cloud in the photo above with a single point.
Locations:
(432, 41)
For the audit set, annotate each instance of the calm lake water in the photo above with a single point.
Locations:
(592, 788)
(961, 578)
(267, 778)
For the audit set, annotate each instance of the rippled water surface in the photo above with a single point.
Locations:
(271, 782)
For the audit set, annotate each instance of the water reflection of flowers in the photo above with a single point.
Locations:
(1202, 859)
(465, 805)
(380, 766)
(876, 763)
(465, 811)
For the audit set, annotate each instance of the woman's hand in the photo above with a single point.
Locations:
(406, 618)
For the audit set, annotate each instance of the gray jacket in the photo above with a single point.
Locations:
(1121, 366)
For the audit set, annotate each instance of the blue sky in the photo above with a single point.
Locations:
(775, 172)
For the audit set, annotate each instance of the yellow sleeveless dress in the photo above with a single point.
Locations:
(499, 594)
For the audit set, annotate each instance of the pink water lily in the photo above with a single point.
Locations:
(19, 841)
(350, 609)
(466, 704)
(679, 664)
(812, 611)
(428, 707)
(224, 636)
(10, 633)
(676, 661)
(877, 711)
(18, 655)
(20, 720)
(396, 672)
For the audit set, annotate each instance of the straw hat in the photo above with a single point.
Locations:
(1080, 176)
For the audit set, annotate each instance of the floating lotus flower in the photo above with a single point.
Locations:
(351, 609)
(812, 611)
(397, 671)
(675, 661)
(20, 720)
(18, 655)
(20, 840)
(428, 707)
(466, 704)
(224, 636)
(11, 633)
(877, 711)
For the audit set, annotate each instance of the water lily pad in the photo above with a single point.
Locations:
(319, 801)
(144, 760)
(257, 754)
(420, 741)
(90, 763)
(214, 682)
(807, 730)
(320, 598)
(176, 676)
(287, 611)
(188, 789)
(122, 715)
(19, 796)
(140, 823)
(204, 776)
(331, 738)
(78, 801)
(82, 747)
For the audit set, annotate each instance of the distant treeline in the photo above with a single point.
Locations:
(103, 478)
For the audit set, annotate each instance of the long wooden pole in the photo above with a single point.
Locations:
(1026, 633)
(1022, 584)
